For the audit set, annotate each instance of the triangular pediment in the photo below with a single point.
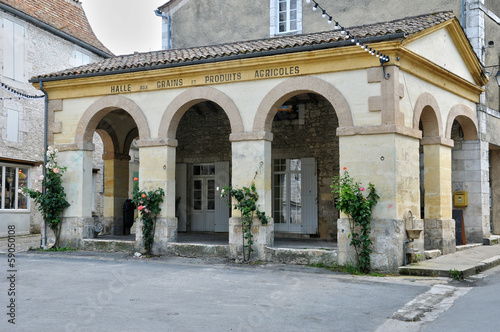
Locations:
(447, 46)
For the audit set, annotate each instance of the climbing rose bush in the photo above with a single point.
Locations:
(148, 203)
(51, 198)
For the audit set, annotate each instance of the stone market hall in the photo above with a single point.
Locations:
(288, 114)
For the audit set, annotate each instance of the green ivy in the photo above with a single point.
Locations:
(51, 199)
(351, 201)
(148, 203)
(247, 204)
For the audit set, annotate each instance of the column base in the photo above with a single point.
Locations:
(165, 233)
(263, 237)
(73, 231)
(440, 234)
(387, 237)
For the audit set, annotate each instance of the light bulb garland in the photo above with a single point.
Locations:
(17, 93)
(346, 34)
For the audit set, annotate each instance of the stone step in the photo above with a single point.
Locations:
(302, 256)
(108, 245)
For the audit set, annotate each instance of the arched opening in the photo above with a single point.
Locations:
(470, 168)
(117, 130)
(203, 163)
(432, 173)
(112, 124)
(305, 157)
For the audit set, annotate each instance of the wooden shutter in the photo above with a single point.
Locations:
(12, 125)
(222, 178)
(309, 192)
(18, 52)
(8, 49)
(181, 196)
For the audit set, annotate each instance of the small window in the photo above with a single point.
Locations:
(11, 180)
(286, 16)
(80, 59)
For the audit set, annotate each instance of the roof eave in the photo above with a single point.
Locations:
(290, 50)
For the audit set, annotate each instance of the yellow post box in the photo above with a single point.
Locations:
(460, 198)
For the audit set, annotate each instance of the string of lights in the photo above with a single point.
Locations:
(347, 35)
(17, 93)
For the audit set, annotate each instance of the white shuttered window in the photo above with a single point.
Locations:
(13, 50)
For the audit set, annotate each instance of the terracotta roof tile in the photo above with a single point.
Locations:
(150, 60)
(67, 16)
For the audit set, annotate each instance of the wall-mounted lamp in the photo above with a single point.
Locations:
(497, 76)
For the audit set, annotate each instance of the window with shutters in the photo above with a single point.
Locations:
(80, 59)
(13, 50)
(295, 195)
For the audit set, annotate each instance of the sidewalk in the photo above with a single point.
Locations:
(463, 263)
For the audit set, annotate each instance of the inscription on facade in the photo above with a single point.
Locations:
(250, 74)
(276, 72)
(173, 83)
(223, 78)
(121, 88)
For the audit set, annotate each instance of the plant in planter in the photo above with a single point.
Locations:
(247, 205)
(51, 199)
(350, 200)
(148, 204)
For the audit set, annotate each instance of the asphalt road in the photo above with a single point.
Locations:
(112, 292)
(478, 310)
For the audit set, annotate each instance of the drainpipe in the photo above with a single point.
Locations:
(169, 27)
(463, 14)
(45, 125)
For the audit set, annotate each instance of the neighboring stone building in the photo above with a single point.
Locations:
(38, 36)
(189, 23)
(285, 113)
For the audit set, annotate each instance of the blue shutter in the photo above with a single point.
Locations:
(309, 196)
(181, 196)
(8, 49)
(222, 178)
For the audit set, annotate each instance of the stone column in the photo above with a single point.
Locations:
(77, 223)
(439, 227)
(157, 170)
(471, 174)
(474, 26)
(251, 163)
(116, 182)
(495, 190)
(391, 162)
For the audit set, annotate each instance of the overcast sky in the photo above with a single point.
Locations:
(125, 26)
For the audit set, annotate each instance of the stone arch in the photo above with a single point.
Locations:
(467, 119)
(98, 110)
(181, 103)
(427, 110)
(109, 141)
(278, 95)
(133, 134)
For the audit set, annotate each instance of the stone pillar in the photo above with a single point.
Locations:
(157, 170)
(471, 173)
(391, 162)
(439, 227)
(251, 162)
(474, 26)
(78, 223)
(116, 182)
(495, 190)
